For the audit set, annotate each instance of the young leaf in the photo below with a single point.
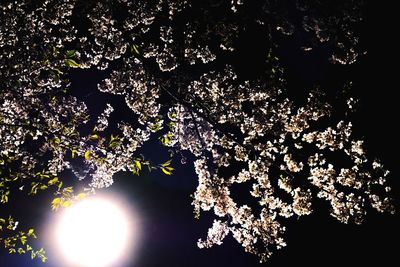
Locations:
(87, 155)
(57, 140)
(167, 170)
(81, 196)
(68, 190)
(34, 188)
(31, 232)
(71, 63)
(135, 49)
(23, 239)
(55, 203)
(43, 187)
(53, 181)
(73, 152)
(167, 163)
(138, 164)
(66, 203)
(59, 186)
(94, 136)
(71, 54)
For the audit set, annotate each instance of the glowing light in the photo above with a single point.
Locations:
(93, 233)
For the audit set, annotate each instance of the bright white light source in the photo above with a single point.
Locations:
(93, 233)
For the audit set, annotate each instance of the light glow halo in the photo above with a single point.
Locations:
(94, 232)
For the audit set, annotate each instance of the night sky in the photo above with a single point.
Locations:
(169, 229)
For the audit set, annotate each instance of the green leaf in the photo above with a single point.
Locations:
(165, 139)
(53, 181)
(60, 185)
(69, 190)
(71, 54)
(167, 170)
(55, 73)
(94, 136)
(81, 196)
(42, 257)
(55, 203)
(31, 232)
(135, 49)
(138, 164)
(43, 187)
(4, 198)
(23, 239)
(167, 163)
(71, 63)
(66, 203)
(73, 152)
(114, 141)
(87, 155)
(34, 188)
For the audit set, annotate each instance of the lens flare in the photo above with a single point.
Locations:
(93, 232)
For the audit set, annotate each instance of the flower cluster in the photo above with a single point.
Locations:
(166, 59)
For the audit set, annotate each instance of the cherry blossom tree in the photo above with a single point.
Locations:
(176, 65)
